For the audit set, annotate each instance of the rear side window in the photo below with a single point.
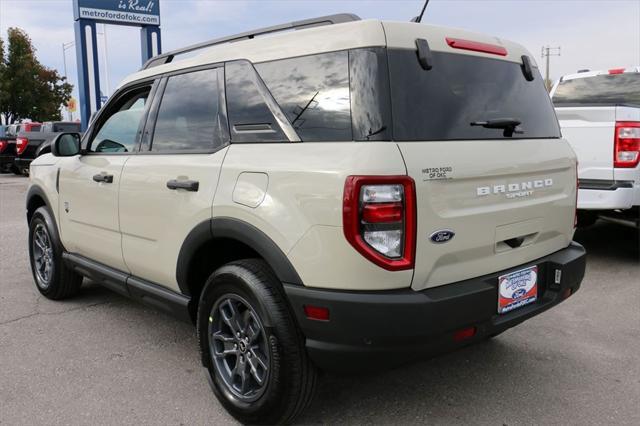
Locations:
(188, 118)
(608, 89)
(441, 103)
(313, 92)
(250, 118)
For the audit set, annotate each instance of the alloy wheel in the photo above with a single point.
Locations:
(239, 347)
(42, 255)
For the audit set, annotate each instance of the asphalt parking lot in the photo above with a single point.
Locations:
(102, 359)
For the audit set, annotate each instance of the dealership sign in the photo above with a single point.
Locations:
(127, 12)
(87, 14)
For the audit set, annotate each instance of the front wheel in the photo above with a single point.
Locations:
(251, 346)
(53, 278)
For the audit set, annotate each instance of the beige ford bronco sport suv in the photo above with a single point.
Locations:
(347, 194)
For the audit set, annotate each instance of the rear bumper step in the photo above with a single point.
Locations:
(369, 330)
(604, 185)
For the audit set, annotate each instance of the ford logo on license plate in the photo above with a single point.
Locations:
(442, 236)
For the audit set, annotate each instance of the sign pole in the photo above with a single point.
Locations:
(150, 43)
(88, 72)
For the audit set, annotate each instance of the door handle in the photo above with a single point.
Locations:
(189, 185)
(102, 177)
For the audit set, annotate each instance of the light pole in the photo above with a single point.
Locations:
(66, 46)
(546, 52)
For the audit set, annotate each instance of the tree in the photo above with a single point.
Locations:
(28, 89)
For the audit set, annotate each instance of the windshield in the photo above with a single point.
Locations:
(66, 127)
(467, 97)
(607, 89)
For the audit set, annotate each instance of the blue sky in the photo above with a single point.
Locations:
(594, 34)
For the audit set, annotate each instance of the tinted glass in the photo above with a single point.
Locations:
(120, 130)
(609, 89)
(441, 104)
(2, 131)
(313, 92)
(66, 127)
(188, 118)
(250, 118)
(370, 103)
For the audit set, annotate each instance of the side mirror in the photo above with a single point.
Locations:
(66, 145)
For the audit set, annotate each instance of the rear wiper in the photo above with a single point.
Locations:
(510, 125)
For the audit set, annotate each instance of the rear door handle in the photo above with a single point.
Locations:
(103, 177)
(189, 185)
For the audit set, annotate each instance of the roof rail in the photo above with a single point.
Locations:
(340, 18)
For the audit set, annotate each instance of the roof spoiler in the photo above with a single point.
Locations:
(340, 18)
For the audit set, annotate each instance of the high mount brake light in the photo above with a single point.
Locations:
(379, 219)
(626, 142)
(21, 145)
(616, 71)
(476, 46)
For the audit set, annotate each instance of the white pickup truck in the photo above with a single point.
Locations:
(599, 114)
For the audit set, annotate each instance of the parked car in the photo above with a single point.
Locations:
(350, 195)
(599, 114)
(7, 155)
(7, 151)
(34, 143)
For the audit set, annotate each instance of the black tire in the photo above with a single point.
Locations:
(290, 384)
(586, 218)
(16, 171)
(60, 282)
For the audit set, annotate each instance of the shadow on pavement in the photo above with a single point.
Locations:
(610, 241)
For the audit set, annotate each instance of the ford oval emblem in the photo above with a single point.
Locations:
(442, 236)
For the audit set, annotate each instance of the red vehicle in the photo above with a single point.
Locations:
(9, 144)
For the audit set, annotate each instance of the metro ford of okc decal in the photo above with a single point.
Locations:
(517, 289)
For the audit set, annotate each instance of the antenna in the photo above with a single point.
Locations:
(418, 18)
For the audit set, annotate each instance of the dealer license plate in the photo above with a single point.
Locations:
(517, 289)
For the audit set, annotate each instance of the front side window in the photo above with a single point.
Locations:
(313, 92)
(118, 131)
(188, 118)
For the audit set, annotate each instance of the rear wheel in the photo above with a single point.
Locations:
(53, 278)
(251, 346)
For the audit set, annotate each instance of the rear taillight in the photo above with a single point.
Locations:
(626, 151)
(3, 145)
(379, 218)
(575, 211)
(21, 145)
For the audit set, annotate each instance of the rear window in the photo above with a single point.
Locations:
(441, 103)
(66, 127)
(608, 89)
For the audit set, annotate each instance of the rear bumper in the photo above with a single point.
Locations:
(607, 195)
(6, 161)
(23, 163)
(369, 330)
